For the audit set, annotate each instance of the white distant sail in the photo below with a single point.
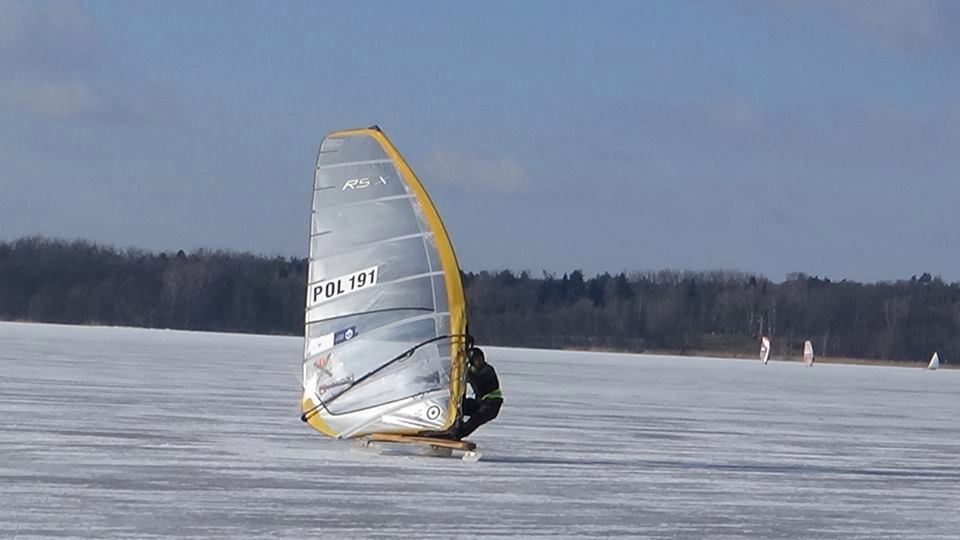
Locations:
(808, 357)
(385, 340)
(765, 349)
(934, 361)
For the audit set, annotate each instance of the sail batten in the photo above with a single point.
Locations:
(385, 317)
(353, 163)
(371, 312)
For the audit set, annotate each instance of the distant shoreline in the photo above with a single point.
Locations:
(726, 355)
(713, 313)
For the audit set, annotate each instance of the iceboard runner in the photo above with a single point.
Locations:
(385, 339)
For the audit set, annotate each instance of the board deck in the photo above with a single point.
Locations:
(466, 446)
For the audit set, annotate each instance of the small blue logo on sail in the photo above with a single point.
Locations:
(344, 335)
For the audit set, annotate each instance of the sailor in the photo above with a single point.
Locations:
(480, 409)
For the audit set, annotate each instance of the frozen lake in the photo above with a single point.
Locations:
(147, 433)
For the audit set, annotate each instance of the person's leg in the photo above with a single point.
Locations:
(487, 411)
(469, 407)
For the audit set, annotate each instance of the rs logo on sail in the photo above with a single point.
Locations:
(360, 183)
(333, 288)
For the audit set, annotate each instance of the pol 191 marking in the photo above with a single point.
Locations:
(333, 288)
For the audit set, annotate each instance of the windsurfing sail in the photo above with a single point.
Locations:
(385, 326)
(808, 353)
(934, 361)
(765, 349)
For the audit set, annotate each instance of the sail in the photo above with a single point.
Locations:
(934, 361)
(808, 353)
(385, 325)
(765, 349)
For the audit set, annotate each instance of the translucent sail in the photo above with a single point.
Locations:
(765, 349)
(385, 343)
(934, 361)
(808, 353)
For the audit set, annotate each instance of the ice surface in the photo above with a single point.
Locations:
(113, 432)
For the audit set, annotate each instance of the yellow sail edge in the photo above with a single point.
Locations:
(448, 260)
(314, 420)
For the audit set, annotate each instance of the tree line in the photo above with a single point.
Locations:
(79, 282)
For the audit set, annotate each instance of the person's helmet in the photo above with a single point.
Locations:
(475, 353)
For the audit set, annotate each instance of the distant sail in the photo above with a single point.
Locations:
(385, 327)
(765, 349)
(808, 357)
(934, 361)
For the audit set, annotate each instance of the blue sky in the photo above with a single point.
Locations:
(770, 137)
